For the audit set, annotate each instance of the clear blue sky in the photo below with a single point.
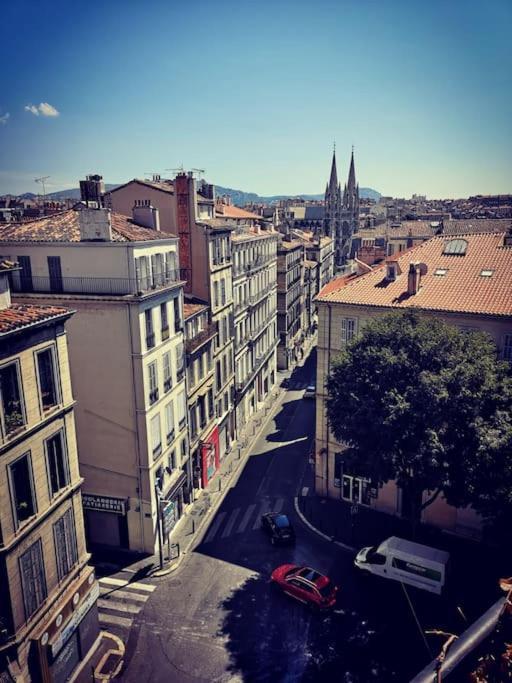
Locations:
(255, 91)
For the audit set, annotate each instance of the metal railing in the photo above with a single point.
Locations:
(116, 286)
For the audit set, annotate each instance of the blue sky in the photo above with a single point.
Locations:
(255, 92)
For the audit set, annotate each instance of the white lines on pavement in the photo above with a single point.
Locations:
(231, 521)
(245, 519)
(113, 619)
(214, 527)
(112, 581)
(119, 606)
(126, 595)
(305, 491)
(264, 507)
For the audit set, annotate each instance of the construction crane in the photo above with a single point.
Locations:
(42, 180)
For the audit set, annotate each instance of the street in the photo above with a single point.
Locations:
(218, 618)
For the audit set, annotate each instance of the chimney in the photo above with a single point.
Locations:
(507, 239)
(147, 216)
(95, 225)
(416, 270)
(92, 190)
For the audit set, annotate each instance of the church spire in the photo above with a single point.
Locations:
(333, 182)
(352, 174)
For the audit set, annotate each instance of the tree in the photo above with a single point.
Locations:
(421, 402)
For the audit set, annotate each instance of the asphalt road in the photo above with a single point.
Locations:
(219, 619)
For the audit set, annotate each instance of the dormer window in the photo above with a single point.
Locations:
(441, 272)
(486, 273)
(392, 271)
(455, 247)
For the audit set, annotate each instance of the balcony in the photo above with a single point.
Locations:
(150, 340)
(167, 384)
(153, 396)
(101, 286)
(201, 338)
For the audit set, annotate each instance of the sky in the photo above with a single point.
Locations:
(255, 92)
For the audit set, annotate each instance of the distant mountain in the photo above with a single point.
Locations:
(239, 197)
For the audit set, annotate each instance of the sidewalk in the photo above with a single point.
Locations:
(186, 532)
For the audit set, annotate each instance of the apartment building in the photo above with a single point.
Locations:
(205, 258)
(48, 615)
(290, 301)
(127, 358)
(200, 336)
(255, 314)
(465, 281)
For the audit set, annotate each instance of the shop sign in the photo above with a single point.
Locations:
(168, 512)
(76, 618)
(104, 503)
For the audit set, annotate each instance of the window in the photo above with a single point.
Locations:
(165, 321)
(182, 410)
(142, 273)
(33, 581)
(223, 291)
(184, 449)
(193, 422)
(348, 330)
(180, 362)
(486, 272)
(25, 274)
(506, 353)
(66, 550)
(338, 469)
(156, 436)
(210, 403)
(167, 371)
(47, 378)
(150, 335)
(172, 460)
(218, 374)
(171, 267)
(153, 383)
(216, 294)
(202, 411)
(22, 489)
(10, 398)
(55, 273)
(177, 315)
(169, 423)
(58, 474)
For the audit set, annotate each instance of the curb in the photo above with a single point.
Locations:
(310, 526)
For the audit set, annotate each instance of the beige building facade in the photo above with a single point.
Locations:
(128, 363)
(290, 302)
(48, 614)
(467, 283)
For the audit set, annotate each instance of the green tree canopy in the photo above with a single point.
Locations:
(421, 402)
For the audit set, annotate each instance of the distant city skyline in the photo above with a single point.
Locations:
(256, 94)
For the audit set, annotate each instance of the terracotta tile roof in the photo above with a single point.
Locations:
(461, 288)
(63, 227)
(454, 226)
(163, 186)
(18, 316)
(228, 211)
(191, 309)
(334, 285)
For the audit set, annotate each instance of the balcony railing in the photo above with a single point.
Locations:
(107, 286)
(182, 423)
(165, 333)
(167, 384)
(201, 337)
(170, 436)
(150, 340)
(153, 396)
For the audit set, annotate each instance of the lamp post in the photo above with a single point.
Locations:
(158, 492)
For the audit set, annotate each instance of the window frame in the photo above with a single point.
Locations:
(70, 543)
(65, 456)
(5, 433)
(56, 378)
(17, 522)
(31, 582)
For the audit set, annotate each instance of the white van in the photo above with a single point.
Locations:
(412, 563)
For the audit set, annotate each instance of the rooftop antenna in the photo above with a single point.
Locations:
(43, 180)
(199, 171)
(175, 171)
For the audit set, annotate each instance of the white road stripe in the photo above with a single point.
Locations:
(112, 619)
(214, 527)
(246, 518)
(231, 521)
(264, 507)
(112, 581)
(119, 606)
(126, 595)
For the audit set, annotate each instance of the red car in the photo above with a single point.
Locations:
(307, 585)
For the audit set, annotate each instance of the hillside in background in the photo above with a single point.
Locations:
(239, 197)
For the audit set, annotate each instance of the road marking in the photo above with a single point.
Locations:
(264, 507)
(246, 518)
(112, 619)
(112, 581)
(127, 595)
(278, 505)
(119, 606)
(231, 521)
(214, 527)
(305, 491)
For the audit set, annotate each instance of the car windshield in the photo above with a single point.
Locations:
(282, 522)
(326, 590)
(373, 557)
(309, 574)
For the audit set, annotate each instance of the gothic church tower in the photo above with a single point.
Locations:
(333, 204)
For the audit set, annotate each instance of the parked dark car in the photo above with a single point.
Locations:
(278, 527)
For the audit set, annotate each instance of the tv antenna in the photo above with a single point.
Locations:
(42, 180)
(199, 171)
(175, 171)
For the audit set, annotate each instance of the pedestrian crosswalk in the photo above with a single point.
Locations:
(120, 600)
(228, 523)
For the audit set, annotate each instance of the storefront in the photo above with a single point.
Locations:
(210, 454)
(66, 638)
(171, 505)
(105, 520)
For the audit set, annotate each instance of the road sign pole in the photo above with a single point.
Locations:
(159, 528)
